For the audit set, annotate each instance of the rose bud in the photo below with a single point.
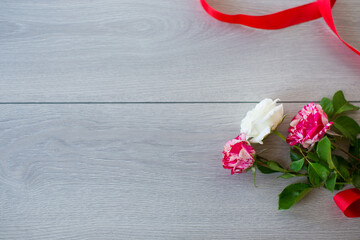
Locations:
(308, 126)
(238, 155)
(263, 119)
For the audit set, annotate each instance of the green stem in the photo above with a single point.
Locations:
(298, 148)
(342, 183)
(261, 164)
(302, 153)
(264, 165)
(344, 151)
(299, 174)
(277, 133)
(338, 172)
(254, 171)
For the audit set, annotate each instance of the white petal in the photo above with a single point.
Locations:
(259, 121)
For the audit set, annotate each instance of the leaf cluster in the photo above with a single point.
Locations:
(332, 163)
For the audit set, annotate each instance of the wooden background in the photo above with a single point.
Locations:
(113, 115)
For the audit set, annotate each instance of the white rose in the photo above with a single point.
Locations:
(260, 121)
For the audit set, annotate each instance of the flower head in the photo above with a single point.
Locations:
(308, 126)
(238, 155)
(260, 121)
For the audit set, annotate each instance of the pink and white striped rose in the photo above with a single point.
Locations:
(308, 126)
(238, 155)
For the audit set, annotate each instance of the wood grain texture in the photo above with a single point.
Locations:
(153, 171)
(145, 172)
(136, 50)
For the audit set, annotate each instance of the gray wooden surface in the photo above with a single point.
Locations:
(80, 160)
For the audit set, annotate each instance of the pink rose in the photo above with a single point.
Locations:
(308, 126)
(238, 155)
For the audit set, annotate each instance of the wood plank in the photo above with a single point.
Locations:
(144, 172)
(133, 50)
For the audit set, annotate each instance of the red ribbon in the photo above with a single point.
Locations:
(349, 202)
(283, 19)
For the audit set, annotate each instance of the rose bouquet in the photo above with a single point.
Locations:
(324, 149)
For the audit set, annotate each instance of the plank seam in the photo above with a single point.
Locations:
(119, 103)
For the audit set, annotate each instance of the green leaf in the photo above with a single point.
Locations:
(356, 179)
(287, 175)
(294, 156)
(321, 170)
(314, 178)
(339, 160)
(339, 100)
(335, 160)
(292, 194)
(344, 171)
(348, 127)
(313, 156)
(347, 107)
(342, 166)
(354, 150)
(330, 183)
(323, 150)
(265, 170)
(291, 175)
(341, 105)
(327, 106)
(297, 165)
(339, 186)
(275, 166)
(317, 173)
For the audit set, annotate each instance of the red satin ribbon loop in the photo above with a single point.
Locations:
(325, 10)
(349, 202)
(282, 19)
